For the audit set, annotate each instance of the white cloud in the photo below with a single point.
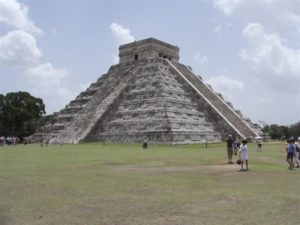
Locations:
(227, 6)
(19, 48)
(272, 52)
(230, 88)
(48, 83)
(53, 31)
(15, 14)
(225, 84)
(122, 36)
(273, 107)
(115, 59)
(47, 73)
(200, 59)
(281, 15)
(56, 99)
(220, 28)
(121, 33)
(269, 55)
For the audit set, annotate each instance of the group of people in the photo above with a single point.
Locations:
(293, 151)
(9, 140)
(235, 147)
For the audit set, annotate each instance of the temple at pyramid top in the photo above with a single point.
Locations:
(148, 94)
(148, 48)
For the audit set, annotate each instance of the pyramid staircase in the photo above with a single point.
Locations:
(233, 119)
(154, 104)
(149, 93)
(65, 123)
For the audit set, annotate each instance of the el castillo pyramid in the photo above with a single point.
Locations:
(148, 94)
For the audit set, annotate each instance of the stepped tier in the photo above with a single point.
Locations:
(149, 93)
(223, 109)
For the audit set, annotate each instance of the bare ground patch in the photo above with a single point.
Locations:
(174, 169)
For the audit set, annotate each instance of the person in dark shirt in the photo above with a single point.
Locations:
(145, 143)
(229, 141)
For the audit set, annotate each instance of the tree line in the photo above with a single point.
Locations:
(21, 113)
(282, 132)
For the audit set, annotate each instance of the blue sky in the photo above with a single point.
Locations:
(248, 50)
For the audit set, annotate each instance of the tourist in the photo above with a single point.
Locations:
(259, 144)
(229, 149)
(296, 163)
(61, 142)
(47, 142)
(145, 143)
(243, 153)
(41, 141)
(25, 141)
(8, 140)
(237, 145)
(290, 150)
(2, 140)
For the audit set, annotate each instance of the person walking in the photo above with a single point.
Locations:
(296, 155)
(229, 141)
(145, 143)
(290, 150)
(41, 141)
(259, 144)
(236, 145)
(243, 153)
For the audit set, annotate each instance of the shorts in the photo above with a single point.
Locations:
(259, 145)
(229, 151)
(290, 155)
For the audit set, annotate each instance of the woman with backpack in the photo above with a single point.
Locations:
(244, 155)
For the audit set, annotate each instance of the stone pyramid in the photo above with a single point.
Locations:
(149, 93)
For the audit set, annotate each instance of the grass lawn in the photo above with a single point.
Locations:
(96, 184)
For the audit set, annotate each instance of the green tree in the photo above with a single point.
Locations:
(276, 131)
(295, 130)
(279, 131)
(19, 113)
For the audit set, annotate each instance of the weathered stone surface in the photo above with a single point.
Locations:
(149, 93)
(148, 48)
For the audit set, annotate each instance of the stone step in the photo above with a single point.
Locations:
(98, 105)
(71, 110)
(176, 102)
(89, 92)
(64, 118)
(218, 104)
(162, 109)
